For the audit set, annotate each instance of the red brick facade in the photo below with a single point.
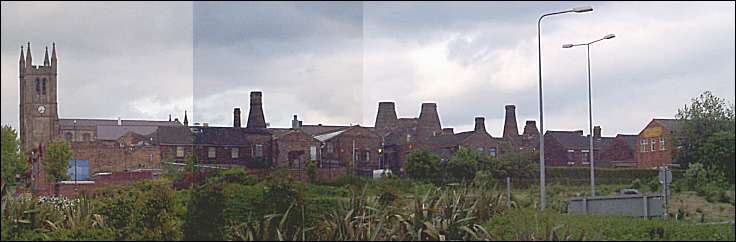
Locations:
(356, 140)
(650, 152)
(294, 148)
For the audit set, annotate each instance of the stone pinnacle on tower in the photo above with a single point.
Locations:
(46, 57)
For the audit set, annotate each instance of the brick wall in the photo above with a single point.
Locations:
(657, 157)
(110, 157)
(294, 147)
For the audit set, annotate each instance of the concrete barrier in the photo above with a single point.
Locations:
(641, 205)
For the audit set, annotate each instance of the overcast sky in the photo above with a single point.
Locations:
(332, 63)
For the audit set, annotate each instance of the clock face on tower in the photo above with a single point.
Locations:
(41, 109)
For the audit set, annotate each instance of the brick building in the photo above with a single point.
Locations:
(621, 152)
(294, 148)
(572, 148)
(478, 139)
(654, 146)
(356, 143)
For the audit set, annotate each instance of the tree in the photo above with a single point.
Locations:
(58, 154)
(463, 165)
(205, 220)
(706, 133)
(312, 171)
(423, 165)
(13, 161)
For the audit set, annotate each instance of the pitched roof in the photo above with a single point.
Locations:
(113, 122)
(176, 135)
(629, 139)
(327, 136)
(568, 139)
(669, 124)
(321, 129)
(108, 132)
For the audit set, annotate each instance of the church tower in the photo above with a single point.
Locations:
(39, 117)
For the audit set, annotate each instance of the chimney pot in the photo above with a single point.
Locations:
(236, 118)
(597, 131)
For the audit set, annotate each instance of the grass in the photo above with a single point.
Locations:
(518, 223)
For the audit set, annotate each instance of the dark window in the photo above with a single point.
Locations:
(38, 86)
(86, 137)
(68, 136)
(44, 86)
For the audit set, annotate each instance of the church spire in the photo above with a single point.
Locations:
(186, 120)
(53, 55)
(22, 61)
(29, 59)
(46, 57)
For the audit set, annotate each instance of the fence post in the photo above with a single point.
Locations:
(646, 207)
(585, 205)
(508, 191)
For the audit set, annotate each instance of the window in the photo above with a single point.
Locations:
(68, 136)
(44, 86)
(480, 149)
(258, 150)
(211, 152)
(313, 152)
(179, 151)
(570, 154)
(87, 137)
(235, 153)
(662, 145)
(367, 156)
(654, 142)
(38, 86)
(408, 138)
(493, 151)
(584, 156)
(644, 145)
(330, 148)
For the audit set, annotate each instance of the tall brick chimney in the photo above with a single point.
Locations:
(597, 132)
(236, 118)
(510, 131)
(429, 122)
(386, 116)
(530, 129)
(255, 115)
(480, 124)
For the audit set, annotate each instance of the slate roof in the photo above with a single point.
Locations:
(630, 140)
(106, 132)
(574, 140)
(220, 136)
(177, 135)
(569, 139)
(114, 122)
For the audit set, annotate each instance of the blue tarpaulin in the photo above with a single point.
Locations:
(82, 170)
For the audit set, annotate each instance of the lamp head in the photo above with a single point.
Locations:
(610, 36)
(582, 9)
(567, 46)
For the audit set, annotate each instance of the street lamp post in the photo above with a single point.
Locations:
(591, 152)
(541, 107)
(76, 183)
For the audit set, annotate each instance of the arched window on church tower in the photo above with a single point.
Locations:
(38, 86)
(44, 86)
